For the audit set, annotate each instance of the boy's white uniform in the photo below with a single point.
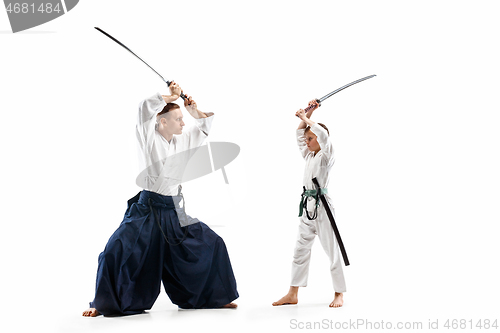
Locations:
(318, 166)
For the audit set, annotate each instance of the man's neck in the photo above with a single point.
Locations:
(167, 136)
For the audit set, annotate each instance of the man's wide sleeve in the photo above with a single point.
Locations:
(146, 120)
(198, 133)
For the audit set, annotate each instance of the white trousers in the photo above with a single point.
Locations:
(308, 229)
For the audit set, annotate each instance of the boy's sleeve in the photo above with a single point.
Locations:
(324, 140)
(301, 142)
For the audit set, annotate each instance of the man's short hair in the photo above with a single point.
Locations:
(163, 113)
(308, 128)
(168, 107)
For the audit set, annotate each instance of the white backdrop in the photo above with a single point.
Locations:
(415, 185)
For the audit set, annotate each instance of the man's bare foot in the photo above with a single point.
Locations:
(338, 301)
(91, 312)
(290, 298)
(230, 306)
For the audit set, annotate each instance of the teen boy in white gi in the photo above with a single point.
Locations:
(316, 149)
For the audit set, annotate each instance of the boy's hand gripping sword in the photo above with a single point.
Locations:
(117, 41)
(310, 107)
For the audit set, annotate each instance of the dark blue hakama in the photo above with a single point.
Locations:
(196, 273)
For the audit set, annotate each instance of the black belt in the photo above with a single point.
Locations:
(332, 221)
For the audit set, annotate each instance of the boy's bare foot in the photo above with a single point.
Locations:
(290, 298)
(287, 299)
(338, 301)
(230, 306)
(92, 312)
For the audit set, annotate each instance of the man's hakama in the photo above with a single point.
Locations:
(196, 273)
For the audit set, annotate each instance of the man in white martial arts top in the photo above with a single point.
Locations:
(316, 148)
(156, 242)
(159, 137)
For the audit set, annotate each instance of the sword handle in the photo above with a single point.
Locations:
(182, 94)
(310, 107)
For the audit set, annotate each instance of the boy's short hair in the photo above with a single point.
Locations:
(308, 128)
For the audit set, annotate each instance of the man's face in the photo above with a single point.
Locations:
(174, 122)
(312, 142)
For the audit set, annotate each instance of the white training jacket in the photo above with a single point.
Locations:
(162, 172)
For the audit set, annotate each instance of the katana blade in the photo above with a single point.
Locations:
(312, 106)
(126, 48)
(343, 87)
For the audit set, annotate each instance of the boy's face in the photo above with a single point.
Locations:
(312, 142)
